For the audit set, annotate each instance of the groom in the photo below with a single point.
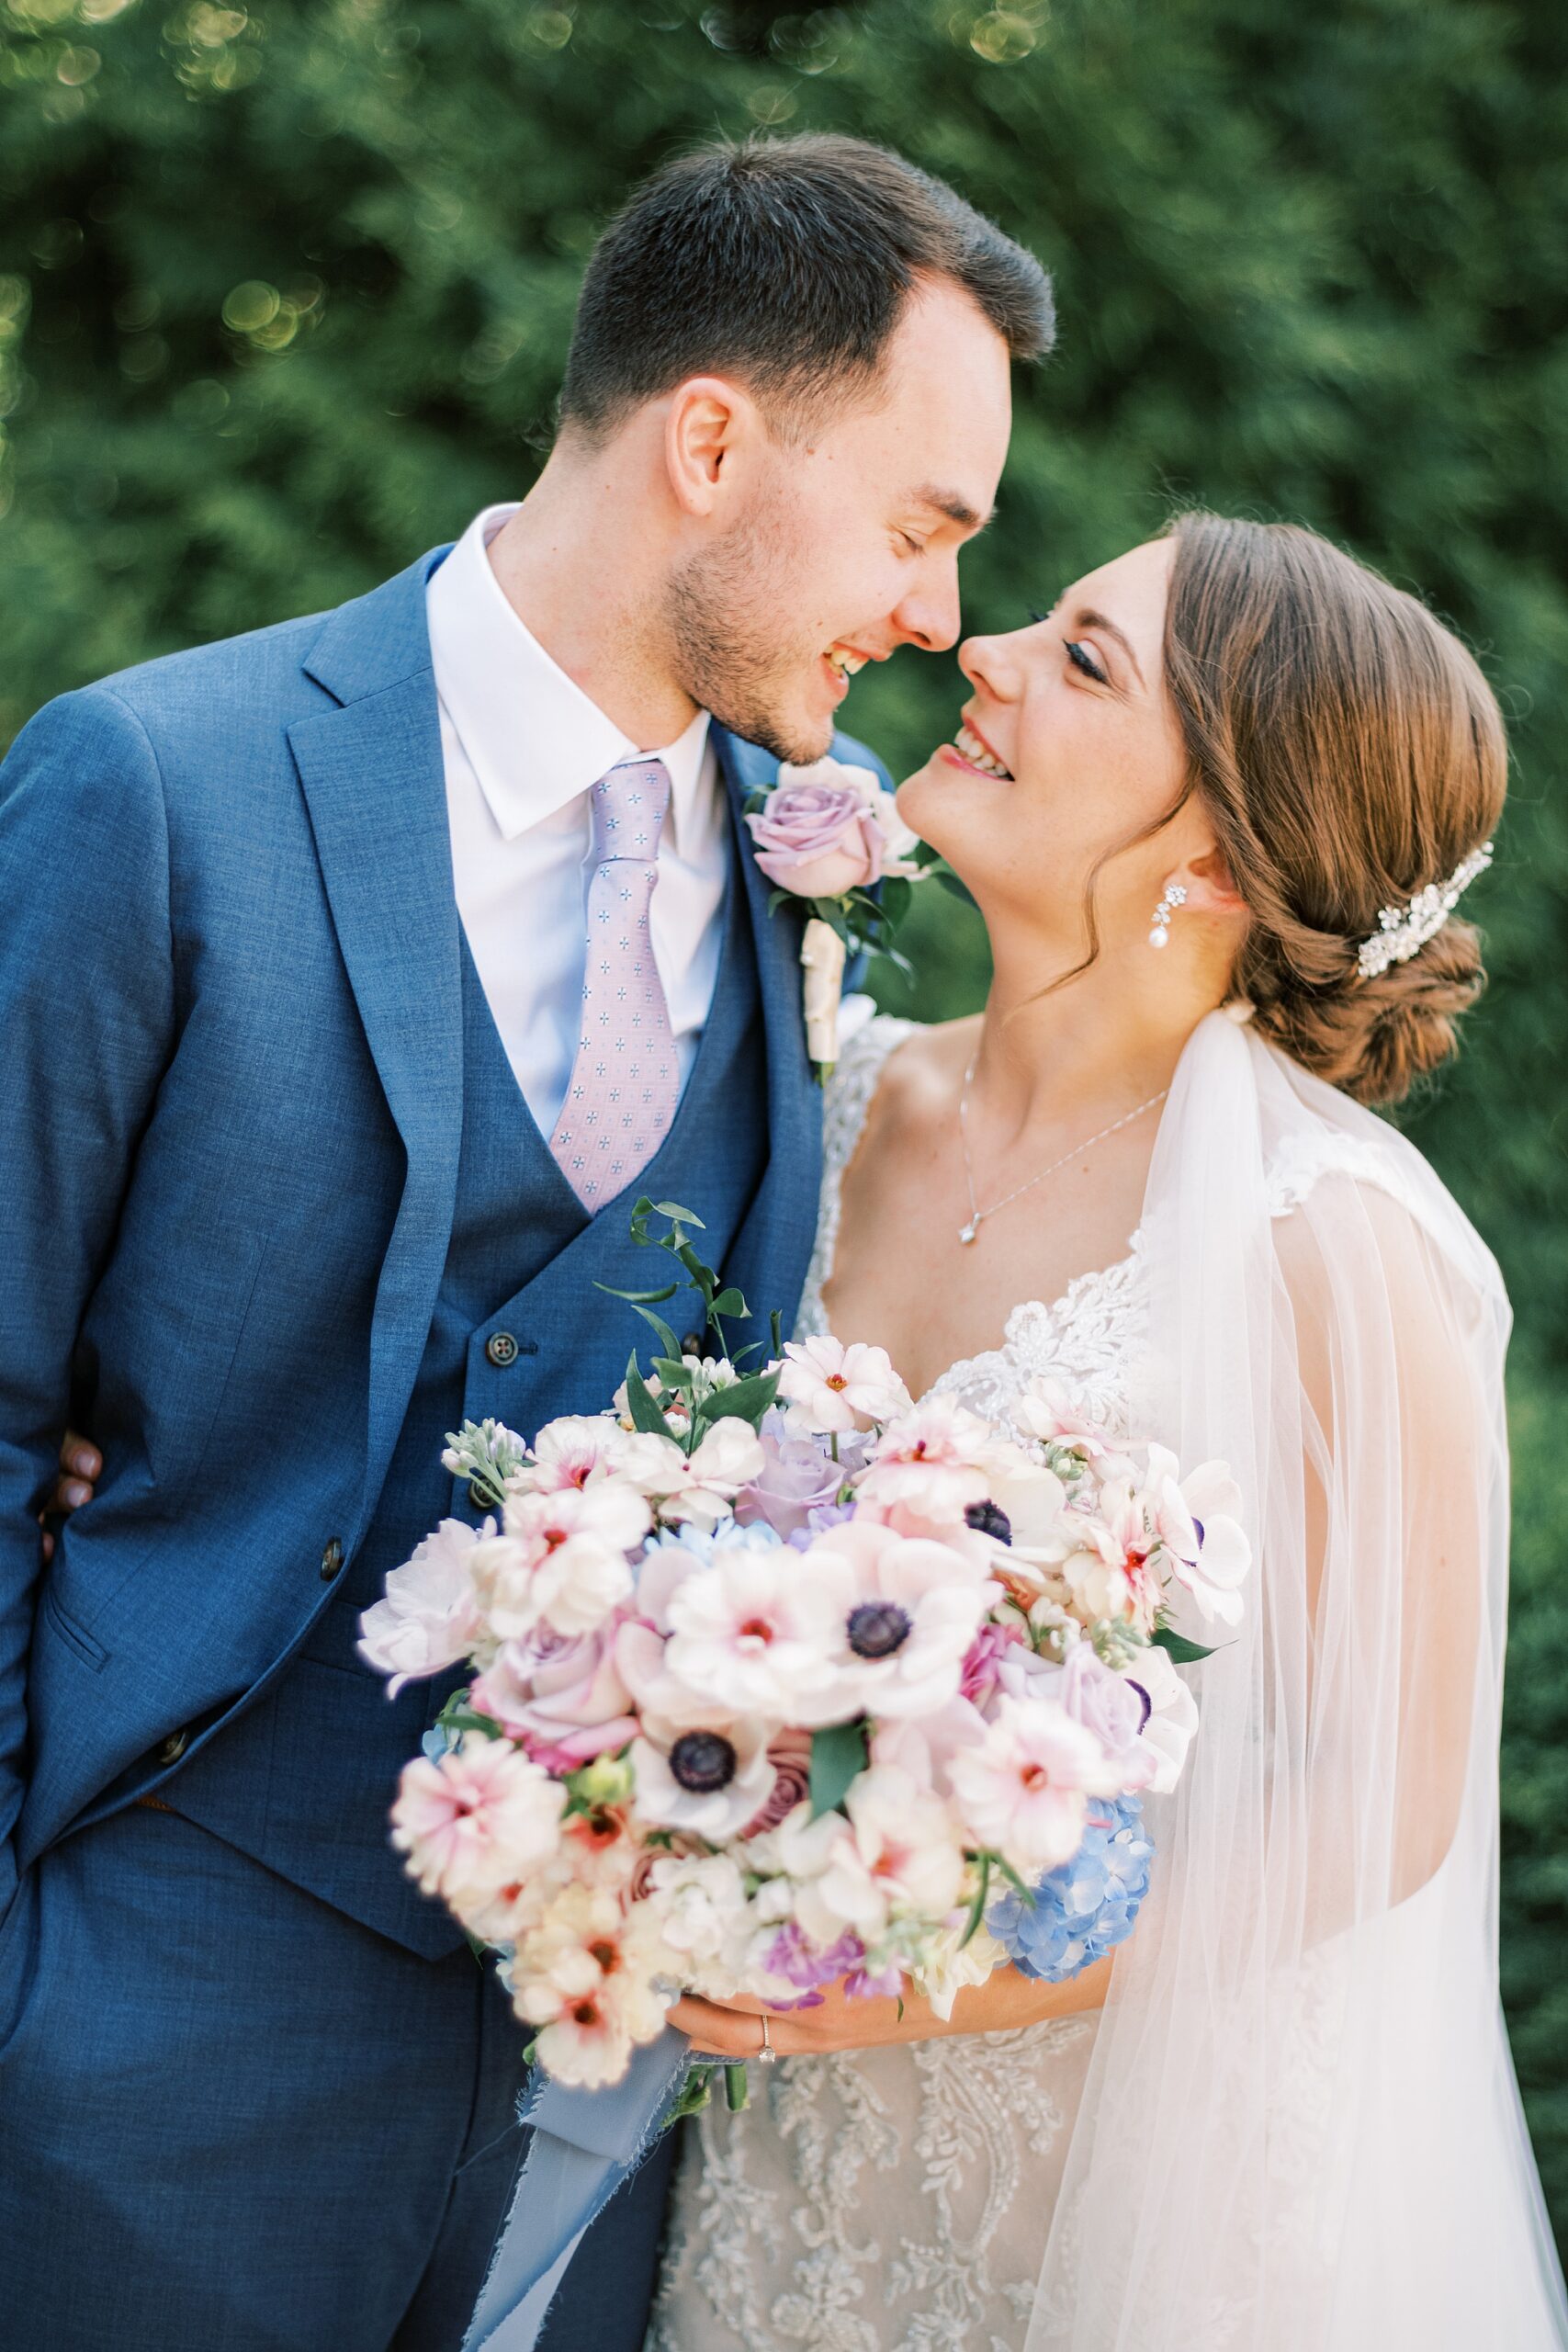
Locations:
(311, 966)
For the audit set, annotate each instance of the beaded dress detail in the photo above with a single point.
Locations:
(899, 2200)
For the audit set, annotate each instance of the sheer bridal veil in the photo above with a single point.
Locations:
(1300, 2131)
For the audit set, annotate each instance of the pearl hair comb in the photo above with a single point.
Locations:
(1402, 931)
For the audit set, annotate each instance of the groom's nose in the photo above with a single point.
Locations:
(927, 616)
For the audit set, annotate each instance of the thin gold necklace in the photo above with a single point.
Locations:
(968, 1233)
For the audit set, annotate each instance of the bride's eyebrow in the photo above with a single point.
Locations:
(1086, 618)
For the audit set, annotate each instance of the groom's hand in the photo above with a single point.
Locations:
(80, 1467)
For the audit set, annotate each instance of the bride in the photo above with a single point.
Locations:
(1216, 808)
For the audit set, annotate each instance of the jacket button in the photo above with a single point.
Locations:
(173, 1747)
(501, 1349)
(692, 1345)
(332, 1560)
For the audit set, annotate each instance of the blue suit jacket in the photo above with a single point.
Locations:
(229, 1114)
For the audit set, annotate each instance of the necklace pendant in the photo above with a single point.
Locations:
(968, 1233)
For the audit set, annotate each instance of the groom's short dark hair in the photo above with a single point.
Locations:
(786, 262)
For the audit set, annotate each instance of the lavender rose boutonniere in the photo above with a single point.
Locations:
(830, 835)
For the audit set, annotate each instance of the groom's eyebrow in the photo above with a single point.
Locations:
(956, 509)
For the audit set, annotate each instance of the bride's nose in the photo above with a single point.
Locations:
(991, 662)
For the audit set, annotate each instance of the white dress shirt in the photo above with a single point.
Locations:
(524, 747)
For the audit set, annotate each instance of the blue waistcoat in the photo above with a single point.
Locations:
(521, 1256)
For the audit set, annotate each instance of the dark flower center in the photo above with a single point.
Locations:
(989, 1520)
(878, 1628)
(703, 1761)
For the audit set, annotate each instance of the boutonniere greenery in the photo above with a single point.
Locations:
(830, 836)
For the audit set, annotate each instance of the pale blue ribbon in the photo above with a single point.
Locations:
(585, 2144)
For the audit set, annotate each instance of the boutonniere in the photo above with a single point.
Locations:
(830, 836)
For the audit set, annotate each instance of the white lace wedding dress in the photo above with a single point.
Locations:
(1300, 2131)
(897, 2199)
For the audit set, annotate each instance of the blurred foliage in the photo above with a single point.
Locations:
(284, 291)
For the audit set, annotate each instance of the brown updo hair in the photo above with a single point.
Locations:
(1348, 752)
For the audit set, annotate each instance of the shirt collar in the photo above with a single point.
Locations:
(534, 741)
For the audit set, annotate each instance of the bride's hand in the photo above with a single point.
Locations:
(1006, 2000)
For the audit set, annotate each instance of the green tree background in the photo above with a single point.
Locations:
(285, 292)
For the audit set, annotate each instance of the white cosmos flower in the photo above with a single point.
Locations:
(1023, 1789)
(754, 1633)
(906, 1610)
(897, 1854)
(573, 1451)
(1050, 1413)
(562, 1560)
(699, 1487)
(827, 1387)
(932, 1464)
(708, 1777)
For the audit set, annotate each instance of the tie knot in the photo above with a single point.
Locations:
(628, 810)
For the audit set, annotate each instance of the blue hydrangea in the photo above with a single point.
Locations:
(727, 1536)
(1087, 1906)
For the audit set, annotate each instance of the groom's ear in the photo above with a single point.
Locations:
(707, 427)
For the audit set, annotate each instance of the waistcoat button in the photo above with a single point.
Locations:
(171, 1749)
(332, 1560)
(501, 1349)
(692, 1345)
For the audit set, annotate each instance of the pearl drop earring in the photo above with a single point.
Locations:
(1175, 896)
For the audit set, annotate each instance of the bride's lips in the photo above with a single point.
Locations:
(970, 741)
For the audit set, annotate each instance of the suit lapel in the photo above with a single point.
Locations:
(374, 784)
(778, 1236)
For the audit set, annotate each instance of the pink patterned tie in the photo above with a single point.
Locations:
(625, 1081)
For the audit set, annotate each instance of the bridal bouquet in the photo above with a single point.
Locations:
(782, 1678)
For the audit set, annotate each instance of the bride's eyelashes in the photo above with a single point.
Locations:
(1082, 659)
(1077, 653)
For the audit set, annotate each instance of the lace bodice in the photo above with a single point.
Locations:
(1086, 1342)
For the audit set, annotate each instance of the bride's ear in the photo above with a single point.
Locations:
(1207, 881)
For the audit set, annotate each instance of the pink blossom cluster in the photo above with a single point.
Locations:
(766, 1696)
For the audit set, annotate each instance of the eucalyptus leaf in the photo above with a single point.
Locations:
(646, 1415)
(1178, 1647)
(837, 1755)
(661, 1331)
(743, 1400)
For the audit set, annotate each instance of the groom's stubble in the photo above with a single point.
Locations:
(739, 646)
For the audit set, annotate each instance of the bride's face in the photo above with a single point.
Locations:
(1068, 747)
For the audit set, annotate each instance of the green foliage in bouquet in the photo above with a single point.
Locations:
(746, 1397)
